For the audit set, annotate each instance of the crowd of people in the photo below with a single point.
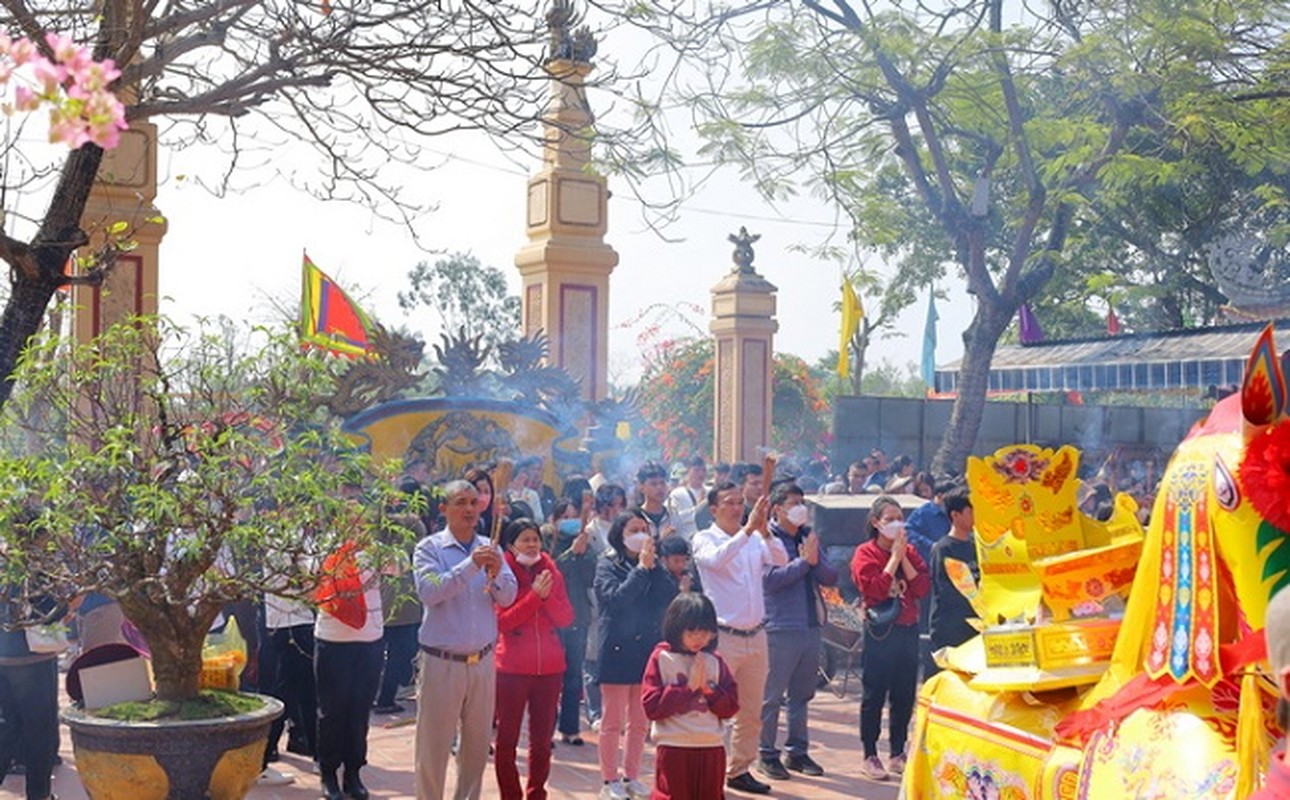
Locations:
(681, 603)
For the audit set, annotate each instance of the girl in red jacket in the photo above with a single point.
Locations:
(530, 660)
(687, 690)
(884, 567)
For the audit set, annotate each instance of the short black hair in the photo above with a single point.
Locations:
(516, 527)
(689, 611)
(695, 461)
(782, 490)
(717, 489)
(574, 487)
(956, 501)
(741, 471)
(607, 494)
(651, 469)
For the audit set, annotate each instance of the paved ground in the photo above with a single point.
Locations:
(574, 772)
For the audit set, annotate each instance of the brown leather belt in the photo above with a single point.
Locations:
(460, 658)
(746, 633)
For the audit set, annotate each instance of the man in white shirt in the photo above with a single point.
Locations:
(731, 561)
(685, 500)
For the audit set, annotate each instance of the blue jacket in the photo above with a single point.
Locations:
(793, 591)
(926, 525)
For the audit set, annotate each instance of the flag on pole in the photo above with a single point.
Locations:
(329, 320)
(1112, 321)
(1030, 330)
(852, 315)
(929, 343)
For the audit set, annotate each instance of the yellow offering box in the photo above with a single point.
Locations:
(1088, 576)
(1054, 646)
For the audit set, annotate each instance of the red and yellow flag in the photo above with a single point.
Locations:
(329, 320)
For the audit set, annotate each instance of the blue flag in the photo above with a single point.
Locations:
(929, 343)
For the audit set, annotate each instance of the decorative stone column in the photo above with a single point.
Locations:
(566, 264)
(121, 206)
(743, 322)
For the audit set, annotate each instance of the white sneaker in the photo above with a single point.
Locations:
(272, 777)
(636, 789)
(615, 790)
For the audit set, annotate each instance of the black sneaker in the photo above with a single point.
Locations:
(745, 782)
(773, 769)
(803, 764)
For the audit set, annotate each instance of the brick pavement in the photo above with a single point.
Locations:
(574, 772)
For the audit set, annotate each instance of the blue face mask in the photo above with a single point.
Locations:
(569, 527)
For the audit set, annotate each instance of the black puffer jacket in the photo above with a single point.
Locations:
(631, 601)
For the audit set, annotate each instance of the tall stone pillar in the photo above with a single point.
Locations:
(566, 264)
(121, 206)
(743, 323)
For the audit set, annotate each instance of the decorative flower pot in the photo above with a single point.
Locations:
(171, 760)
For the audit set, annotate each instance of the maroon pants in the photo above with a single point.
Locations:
(689, 773)
(540, 694)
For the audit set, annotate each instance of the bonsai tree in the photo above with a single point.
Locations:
(182, 472)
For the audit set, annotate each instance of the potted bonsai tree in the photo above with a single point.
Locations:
(177, 472)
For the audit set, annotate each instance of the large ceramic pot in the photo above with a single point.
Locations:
(171, 760)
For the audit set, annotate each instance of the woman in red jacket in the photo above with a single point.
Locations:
(887, 566)
(530, 660)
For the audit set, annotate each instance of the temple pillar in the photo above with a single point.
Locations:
(565, 265)
(120, 208)
(743, 323)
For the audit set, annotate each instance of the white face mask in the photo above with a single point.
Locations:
(891, 528)
(527, 559)
(635, 541)
(798, 515)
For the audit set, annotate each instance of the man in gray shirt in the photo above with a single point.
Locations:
(459, 575)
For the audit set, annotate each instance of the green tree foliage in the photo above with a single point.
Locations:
(675, 398)
(989, 139)
(184, 476)
(469, 299)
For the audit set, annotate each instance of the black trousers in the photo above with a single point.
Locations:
(29, 704)
(400, 645)
(287, 670)
(574, 639)
(890, 672)
(347, 674)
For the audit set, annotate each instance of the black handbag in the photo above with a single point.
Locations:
(880, 620)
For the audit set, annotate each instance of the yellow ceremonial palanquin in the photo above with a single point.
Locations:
(1113, 665)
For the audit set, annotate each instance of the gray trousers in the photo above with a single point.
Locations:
(794, 665)
(451, 693)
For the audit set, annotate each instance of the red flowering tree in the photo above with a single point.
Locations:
(676, 401)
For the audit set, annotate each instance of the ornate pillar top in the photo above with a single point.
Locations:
(743, 255)
(567, 43)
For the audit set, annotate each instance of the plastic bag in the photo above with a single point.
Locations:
(223, 657)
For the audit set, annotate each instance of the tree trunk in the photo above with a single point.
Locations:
(38, 272)
(979, 340)
(176, 636)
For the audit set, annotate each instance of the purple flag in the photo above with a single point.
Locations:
(1031, 333)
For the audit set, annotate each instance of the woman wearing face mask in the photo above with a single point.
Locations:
(632, 591)
(530, 660)
(888, 566)
(571, 543)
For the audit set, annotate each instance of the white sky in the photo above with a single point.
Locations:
(240, 254)
(233, 255)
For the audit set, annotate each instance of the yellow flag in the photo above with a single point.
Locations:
(852, 314)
